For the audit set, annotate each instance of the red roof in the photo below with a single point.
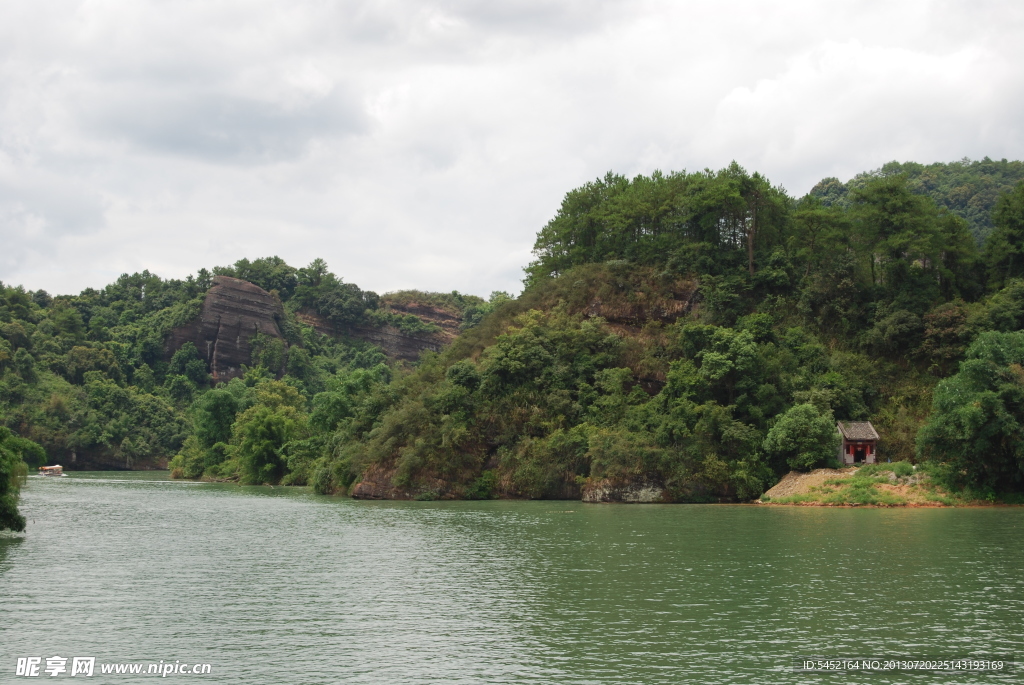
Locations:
(857, 430)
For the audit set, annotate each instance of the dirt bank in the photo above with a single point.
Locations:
(876, 485)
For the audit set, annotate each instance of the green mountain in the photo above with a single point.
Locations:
(109, 378)
(681, 337)
(965, 188)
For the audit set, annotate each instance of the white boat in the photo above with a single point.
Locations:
(57, 470)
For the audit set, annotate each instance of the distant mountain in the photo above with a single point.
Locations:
(967, 188)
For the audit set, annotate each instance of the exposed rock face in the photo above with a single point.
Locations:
(627, 316)
(396, 343)
(681, 300)
(445, 320)
(644, 491)
(377, 483)
(233, 312)
(314, 320)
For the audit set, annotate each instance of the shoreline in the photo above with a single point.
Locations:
(793, 490)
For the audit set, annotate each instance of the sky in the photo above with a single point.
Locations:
(422, 144)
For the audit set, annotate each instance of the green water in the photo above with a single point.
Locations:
(282, 586)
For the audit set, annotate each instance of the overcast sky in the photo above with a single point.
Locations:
(423, 144)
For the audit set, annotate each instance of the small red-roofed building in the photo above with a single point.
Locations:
(859, 442)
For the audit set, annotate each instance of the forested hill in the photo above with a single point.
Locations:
(965, 188)
(681, 337)
(693, 336)
(108, 378)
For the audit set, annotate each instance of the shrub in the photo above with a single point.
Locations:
(323, 480)
(977, 420)
(803, 437)
(482, 487)
(12, 474)
(903, 469)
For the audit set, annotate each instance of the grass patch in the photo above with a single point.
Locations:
(892, 484)
(795, 499)
(861, 487)
(901, 469)
(862, 491)
(858, 488)
(940, 498)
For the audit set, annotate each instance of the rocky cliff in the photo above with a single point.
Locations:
(399, 344)
(233, 312)
(444, 319)
(396, 343)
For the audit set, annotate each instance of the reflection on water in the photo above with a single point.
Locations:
(279, 585)
(9, 543)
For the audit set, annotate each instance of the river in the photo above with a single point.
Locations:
(277, 585)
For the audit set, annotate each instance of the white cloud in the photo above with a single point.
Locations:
(423, 144)
(847, 107)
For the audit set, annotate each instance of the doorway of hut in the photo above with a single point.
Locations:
(858, 455)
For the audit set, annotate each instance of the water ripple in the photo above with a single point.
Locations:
(281, 586)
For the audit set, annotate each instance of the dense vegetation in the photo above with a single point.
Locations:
(89, 375)
(15, 452)
(701, 331)
(966, 188)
